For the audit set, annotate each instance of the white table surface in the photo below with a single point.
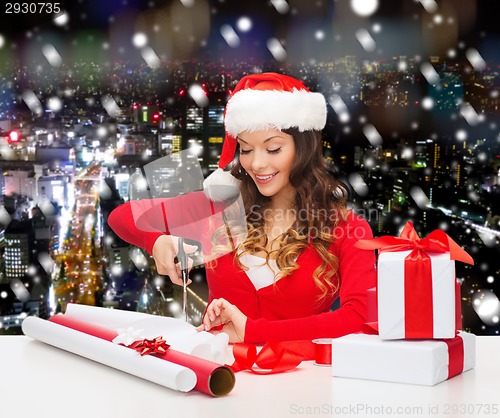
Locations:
(38, 380)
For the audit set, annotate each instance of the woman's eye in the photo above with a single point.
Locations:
(274, 151)
(245, 151)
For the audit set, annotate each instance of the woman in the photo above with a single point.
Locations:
(299, 256)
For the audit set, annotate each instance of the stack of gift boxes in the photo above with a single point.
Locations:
(417, 337)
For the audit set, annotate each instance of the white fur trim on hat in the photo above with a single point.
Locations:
(221, 185)
(256, 110)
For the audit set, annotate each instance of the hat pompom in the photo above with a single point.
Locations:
(221, 185)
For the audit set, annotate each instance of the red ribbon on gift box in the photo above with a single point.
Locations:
(455, 356)
(418, 272)
(372, 315)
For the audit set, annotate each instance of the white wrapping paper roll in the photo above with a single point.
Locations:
(180, 335)
(104, 317)
(147, 367)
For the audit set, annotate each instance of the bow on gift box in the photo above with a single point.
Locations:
(418, 272)
(154, 346)
(436, 242)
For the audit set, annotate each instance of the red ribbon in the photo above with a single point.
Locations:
(154, 346)
(372, 315)
(418, 272)
(323, 354)
(419, 310)
(455, 356)
(274, 357)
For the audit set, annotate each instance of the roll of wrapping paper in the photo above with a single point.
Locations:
(150, 368)
(211, 378)
(182, 336)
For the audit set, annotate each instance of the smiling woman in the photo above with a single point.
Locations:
(280, 281)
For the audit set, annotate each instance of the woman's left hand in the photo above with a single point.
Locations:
(221, 312)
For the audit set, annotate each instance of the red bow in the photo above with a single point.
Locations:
(154, 346)
(436, 242)
(274, 357)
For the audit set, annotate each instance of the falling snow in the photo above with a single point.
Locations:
(364, 7)
(372, 135)
(110, 105)
(358, 184)
(340, 108)
(140, 40)
(52, 55)
(276, 49)
(150, 57)
(20, 290)
(475, 59)
(61, 19)
(230, 36)
(281, 6)
(429, 72)
(244, 24)
(198, 95)
(366, 40)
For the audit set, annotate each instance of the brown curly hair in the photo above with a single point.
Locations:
(317, 206)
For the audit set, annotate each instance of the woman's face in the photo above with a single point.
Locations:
(267, 157)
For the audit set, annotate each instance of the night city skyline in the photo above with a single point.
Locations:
(413, 131)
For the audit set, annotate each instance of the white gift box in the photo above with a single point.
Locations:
(391, 295)
(420, 362)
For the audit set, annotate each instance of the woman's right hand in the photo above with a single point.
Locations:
(164, 252)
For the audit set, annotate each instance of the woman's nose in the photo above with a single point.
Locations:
(259, 161)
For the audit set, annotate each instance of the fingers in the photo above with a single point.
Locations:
(164, 253)
(188, 248)
(217, 313)
(179, 274)
(226, 317)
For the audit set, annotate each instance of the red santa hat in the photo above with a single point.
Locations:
(259, 102)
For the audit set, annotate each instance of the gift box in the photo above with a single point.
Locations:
(416, 284)
(407, 309)
(420, 362)
(372, 306)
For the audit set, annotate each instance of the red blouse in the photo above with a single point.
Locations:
(289, 309)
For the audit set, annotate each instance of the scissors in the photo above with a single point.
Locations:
(181, 255)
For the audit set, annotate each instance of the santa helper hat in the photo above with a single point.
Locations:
(259, 102)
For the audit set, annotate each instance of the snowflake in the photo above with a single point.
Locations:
(230, 36)
(364, 7)
(244, 24)
(366, 40)
(276, 49)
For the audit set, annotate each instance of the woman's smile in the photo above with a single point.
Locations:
(264, 179)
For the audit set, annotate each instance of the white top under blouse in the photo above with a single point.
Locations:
(260, 273)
